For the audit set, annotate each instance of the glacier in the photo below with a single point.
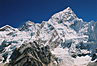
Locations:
(71, 39)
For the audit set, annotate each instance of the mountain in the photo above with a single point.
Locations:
(71, 42)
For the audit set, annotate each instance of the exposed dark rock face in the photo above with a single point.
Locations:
(92, 64)
(31, 54)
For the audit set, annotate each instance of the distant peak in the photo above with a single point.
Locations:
(6, 28)
(29, 23)
(68, 9)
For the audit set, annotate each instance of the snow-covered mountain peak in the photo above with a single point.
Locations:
(28, 26)
(69, 38)
(68, 9)
(29, 23)
(7, 28)
(66, 15)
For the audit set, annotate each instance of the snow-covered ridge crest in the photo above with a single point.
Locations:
(65, 15)
(7, 28)
(64, 31)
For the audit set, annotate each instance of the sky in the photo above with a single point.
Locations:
(17, 12)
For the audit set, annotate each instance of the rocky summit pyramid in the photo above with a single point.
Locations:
(63, 40)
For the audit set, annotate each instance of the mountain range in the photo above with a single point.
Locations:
(63, 40)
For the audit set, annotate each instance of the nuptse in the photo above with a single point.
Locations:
(63, 40)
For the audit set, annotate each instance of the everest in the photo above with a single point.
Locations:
(63, 40)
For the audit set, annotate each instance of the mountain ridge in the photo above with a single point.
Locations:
(68, 37)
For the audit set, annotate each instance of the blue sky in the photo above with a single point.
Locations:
(16, 12)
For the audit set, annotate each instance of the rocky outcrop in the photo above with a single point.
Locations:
(92, 64)
(32, 54)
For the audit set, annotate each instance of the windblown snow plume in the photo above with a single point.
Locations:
(63, 40)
